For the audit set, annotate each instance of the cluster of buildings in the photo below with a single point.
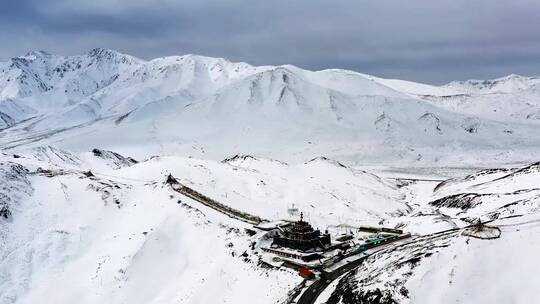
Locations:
(301, 236)
(298, 245)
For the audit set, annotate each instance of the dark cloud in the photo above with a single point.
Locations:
(423, 40)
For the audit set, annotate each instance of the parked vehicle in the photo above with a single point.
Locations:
(306, 273)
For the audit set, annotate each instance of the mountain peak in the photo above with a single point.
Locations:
(513, 76)
(96, 52)
(37, 54)
(100, 54)
(506, 84)
(204, 59)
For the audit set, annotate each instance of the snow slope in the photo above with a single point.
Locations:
(122, 240)
(87, 142)
(107, 228)
(268, 188)
(492, 194)
(212, 108)
(512, 98)
(450, 267)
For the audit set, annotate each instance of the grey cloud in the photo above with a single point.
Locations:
(429, 41)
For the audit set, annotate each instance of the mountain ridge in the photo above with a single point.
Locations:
(119, 101)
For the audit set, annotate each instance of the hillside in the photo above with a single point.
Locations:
(451, 266)
(99, 149)
(123, 233)
(108, 223)
(212, 108)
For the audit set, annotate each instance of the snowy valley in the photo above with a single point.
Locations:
(87, 214)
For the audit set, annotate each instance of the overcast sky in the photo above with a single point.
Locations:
(433, 41)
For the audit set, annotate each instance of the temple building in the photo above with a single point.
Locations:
(301, 236)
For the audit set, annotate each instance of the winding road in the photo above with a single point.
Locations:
(316, 288)
(310, 295)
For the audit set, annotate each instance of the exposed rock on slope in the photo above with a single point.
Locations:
(114, 159)
(14, 186)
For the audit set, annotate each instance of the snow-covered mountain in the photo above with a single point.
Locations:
(88, 143)
(123, 233)
(512, 98)
(449, 266)
(118, 233)
(213, 108)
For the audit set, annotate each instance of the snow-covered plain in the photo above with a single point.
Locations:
(88, 141)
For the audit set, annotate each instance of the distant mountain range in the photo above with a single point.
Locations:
(213, 108)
